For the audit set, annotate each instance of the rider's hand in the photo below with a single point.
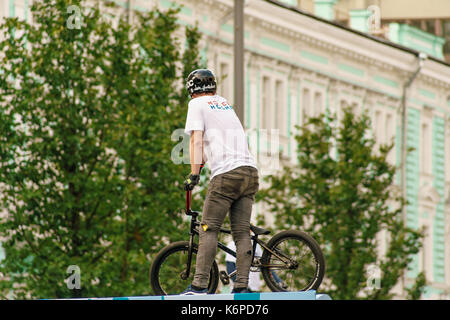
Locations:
(191, 181)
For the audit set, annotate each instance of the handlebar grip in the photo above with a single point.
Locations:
(189, 192)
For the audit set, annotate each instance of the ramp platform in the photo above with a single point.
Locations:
(302, 295)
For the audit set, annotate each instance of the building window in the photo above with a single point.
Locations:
(426, 258)
(318, 104)
(416, 23)
(354, 108)
(389, 127)
(446, 28)
(344, 104)
(426, 148)
(430, 26)
(378, 129)
(266, 109)
(224, 82)
(280, 110)
(306, 98)
(447, 48)
(390, 136)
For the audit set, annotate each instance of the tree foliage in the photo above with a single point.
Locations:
(342, 193)
(86, 175)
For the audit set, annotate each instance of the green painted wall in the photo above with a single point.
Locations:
(417, 39)
(438, 165)
(313, 57)
(324, 8)
(26, 9)
(358, 20)
(386, 81)
(12, 8)
(275, 44)
(412, 179)
(184, 10)
(350, 69)
(426, 93)
(290, 2)
(428, 291)
(398, 153)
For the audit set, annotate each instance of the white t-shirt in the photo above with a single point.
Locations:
(225, 143)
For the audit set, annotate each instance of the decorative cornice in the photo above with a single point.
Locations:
(319, 43)
(433, 81)
(260, 22)
(428, 195)
(258, 17)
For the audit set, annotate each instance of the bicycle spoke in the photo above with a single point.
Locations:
(169, 274)
(292, 264)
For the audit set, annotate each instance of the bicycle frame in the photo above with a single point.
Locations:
(193, 231)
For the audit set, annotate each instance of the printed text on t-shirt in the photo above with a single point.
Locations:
(214, 105)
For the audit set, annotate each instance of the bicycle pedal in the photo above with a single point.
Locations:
(224, 278)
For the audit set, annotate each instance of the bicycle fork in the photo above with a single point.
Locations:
(185, 275)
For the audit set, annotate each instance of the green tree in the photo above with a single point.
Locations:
(342, 193)
(86, 176)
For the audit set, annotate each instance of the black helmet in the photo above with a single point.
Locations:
(201, 80)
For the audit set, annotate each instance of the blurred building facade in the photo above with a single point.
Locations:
(432, 17)
(305, 57)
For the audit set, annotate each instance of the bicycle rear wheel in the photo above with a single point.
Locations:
(296, 262)
(168, 270)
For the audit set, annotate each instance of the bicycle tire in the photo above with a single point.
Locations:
(171, 250)
(272, 277)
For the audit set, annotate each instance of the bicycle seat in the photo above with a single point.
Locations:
(258, 231)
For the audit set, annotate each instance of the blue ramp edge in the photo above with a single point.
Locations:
(301, 295)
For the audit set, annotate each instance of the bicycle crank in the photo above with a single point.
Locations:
(183, 275)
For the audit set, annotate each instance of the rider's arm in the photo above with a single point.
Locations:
(196, 151)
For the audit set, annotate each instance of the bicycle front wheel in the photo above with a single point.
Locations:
(294, 262)
(168, 270)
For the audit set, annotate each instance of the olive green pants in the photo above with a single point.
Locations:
(234, 192)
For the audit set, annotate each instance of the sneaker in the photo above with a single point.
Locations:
(190, 291)
(241, 290)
